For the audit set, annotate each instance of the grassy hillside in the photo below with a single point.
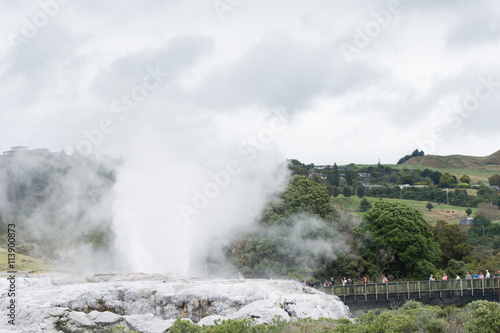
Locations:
(479, 168)
(477, 174)
(23, 263)
(452, 214)
(455, 161)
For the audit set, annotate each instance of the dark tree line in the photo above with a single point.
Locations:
(414, 154)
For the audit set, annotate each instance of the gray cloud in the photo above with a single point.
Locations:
(281, 71)
(63, 80)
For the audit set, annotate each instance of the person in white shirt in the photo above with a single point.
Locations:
(487, 274)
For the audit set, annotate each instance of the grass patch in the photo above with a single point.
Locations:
(452, 214)
(23, 263)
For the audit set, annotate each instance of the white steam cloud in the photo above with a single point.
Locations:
(184, 190)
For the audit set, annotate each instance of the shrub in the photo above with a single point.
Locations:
(184, 326)
(485, 317)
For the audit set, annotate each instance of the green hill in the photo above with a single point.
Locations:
(455, 161)
(478, 168)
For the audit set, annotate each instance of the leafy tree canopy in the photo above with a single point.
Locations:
(305, 195)
(494, 180)
(403, 231)
(465, 179)
(364, 205)
(447, 180)
(452, 241)
(295, 237)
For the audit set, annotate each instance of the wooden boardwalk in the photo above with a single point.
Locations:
(394, 294)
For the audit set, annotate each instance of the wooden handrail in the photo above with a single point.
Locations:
(408, 287)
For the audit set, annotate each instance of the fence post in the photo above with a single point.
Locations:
(419, 296)
(376, 292)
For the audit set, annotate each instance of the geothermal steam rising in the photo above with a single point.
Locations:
(165, 219)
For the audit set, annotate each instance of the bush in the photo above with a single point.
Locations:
(364, 205)
(184, 326)
(485, 317)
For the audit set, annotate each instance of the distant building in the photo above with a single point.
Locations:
(364, 174)
(370, 186)
(17, 150)
(23, 150)
(40, 152)
(466, 221)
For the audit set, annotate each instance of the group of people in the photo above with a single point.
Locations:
(317, 283)
(468, 276)
(345, 281)
(329, 283)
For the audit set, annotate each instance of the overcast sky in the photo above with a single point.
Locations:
(354, 80)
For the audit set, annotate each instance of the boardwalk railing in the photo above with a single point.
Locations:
(418, 290)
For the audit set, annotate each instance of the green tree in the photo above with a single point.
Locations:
(403, 231)
(455, 267)
(350, 176)
(361, 191)
(336, 191)
(305, 195)
(364, 205)
(335, 176)
(297, 168)
(446, 180)
(429, 206)
(494, 180)
(301, 214)
(435, 177)
(347, 192)
(452, 242)
(468, 211)
(465, 179)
